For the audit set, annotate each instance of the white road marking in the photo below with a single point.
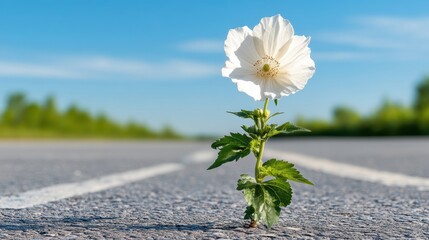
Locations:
(351, 171)
(330, 167)
(200, 157)
(67, 190)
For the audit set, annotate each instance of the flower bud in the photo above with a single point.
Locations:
(267, 113)
(258, 112)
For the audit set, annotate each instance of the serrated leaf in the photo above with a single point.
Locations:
(233, 139)
(248, 214)
(263, 203)
(289, 127)
(286, 128)
(229, 154)
(266, 208)
(280, 190)
(231, 148)
(252, 131)
(246, 182)
(244, 114)
(249, 194)
(283, 170)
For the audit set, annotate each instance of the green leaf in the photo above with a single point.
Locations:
(249, 195)
(275, 114)
(246, 182)
(229, 154)
(266, 208)
(268, 129)
(283, 170)
(286, 128)
(264, 199)
(248, 214)
(280, 190)
(231, 148)
(244, 114)
(234, 139)
(290, 128)
(252, 131)
(276, 102)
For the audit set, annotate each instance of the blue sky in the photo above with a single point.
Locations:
(158, 62)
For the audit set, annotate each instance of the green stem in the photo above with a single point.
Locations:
(258, 164)
(265, 105)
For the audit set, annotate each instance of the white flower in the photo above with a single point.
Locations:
(270, 61)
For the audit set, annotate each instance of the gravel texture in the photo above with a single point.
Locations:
(200, 204)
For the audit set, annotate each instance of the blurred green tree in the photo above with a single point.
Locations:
(21, 118)
(421, 105)
(50, 115)
(317, 126)
(393, 119)
(421, 101)
(15, 110)
(346, 120)
(423, 121)
(33, 115)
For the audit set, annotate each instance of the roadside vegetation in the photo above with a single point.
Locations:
(390, 119)
(22, 118)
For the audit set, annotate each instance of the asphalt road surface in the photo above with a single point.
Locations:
(364, 188)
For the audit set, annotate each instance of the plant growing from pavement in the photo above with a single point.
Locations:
(266, 63)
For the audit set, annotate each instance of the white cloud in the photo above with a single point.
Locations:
(203, 46)
(19, 69)
(107, 68)
(382, 36)
(413, 27)
(368, 56)
(344, 55)
(361, 39)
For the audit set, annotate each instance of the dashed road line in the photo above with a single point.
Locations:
(61, 191)
(200, 157)
(67, 190)
(351, 171)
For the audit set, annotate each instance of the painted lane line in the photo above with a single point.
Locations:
(331, 167)
(351, 171)
(67, 190)
(200, 157)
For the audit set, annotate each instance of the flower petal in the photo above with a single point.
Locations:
(273, 90)
(288, 86)
(270, 90)
(297, 77)
(272, 33)
(247, 82)
(298, 48)
(240, 50)
(296, 66)
(251, 87)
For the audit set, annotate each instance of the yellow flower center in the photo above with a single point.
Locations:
(267, 67)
